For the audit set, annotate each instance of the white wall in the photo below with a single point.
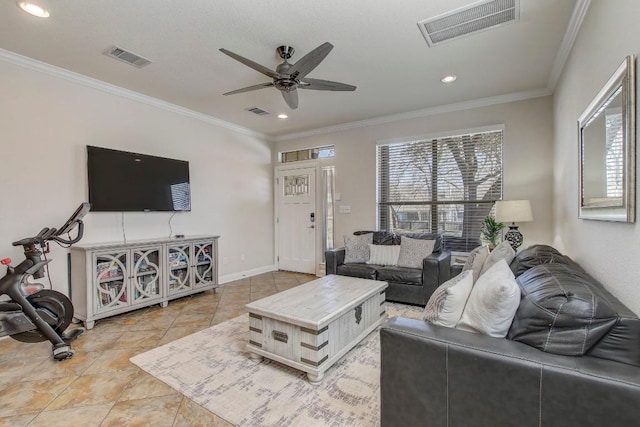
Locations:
(46, 123)
(528, 150)
(609, 251)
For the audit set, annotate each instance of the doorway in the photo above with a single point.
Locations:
(296, 218)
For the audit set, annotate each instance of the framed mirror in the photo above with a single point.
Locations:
(606, 133)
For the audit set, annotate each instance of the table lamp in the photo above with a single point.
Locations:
(513, 211)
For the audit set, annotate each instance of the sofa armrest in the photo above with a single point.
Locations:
(436, 376)
(333, 258)
(436, 269)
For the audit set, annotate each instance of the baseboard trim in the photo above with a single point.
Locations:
(243, 274)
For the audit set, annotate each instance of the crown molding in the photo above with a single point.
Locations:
(459, 106)
(579, 12)
(24, 61)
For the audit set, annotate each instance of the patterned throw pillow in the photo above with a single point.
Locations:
(493, 302)
(476, 260)
(447, 302)
(384, 254)
(413, 251)
(357, 248)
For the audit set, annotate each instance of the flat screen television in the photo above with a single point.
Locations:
(120, 181)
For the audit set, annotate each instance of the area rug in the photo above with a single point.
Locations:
(213, 368)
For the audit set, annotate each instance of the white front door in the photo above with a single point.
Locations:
(297, 219)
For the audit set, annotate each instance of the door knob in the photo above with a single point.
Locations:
(312, 226)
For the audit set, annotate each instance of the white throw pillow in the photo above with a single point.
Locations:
(493, 302)
(447, 302)
(476, 260)
(413, 251)
(502, 251)
(357, 247)
(384, 254)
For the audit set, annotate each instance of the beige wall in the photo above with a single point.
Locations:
(527, 158)
(609, 251)
(46, 123)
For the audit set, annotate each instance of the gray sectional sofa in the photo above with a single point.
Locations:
(571, 358)
(406, 285)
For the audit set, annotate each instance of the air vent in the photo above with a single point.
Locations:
(258, 111)
(461, 22)
(128, 57)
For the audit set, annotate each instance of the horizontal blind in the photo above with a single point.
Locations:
(615, 150)
(445, 186)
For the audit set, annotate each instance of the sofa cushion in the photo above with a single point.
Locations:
(437, 247)
(364, 271)
(493, 302)
(475, 261)
(447, 302)
(560, 312)
(413, 251)
(410, 276)
(502, 251)
(384, 254)
(357, 247)
(536, 255)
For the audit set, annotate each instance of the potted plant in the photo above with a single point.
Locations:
(490, 232)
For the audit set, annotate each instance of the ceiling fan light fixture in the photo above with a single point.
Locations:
(33, 9)
(288, 78)
(449, 79)
(283, 116)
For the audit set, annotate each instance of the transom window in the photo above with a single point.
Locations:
(445, 185)
(307, 154)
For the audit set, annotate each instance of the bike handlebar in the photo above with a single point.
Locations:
(47, 234)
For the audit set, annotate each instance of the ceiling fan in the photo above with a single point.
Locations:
(287, 78)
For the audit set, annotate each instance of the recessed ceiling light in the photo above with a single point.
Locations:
(448, 79)
(33, 9)
(282, 116)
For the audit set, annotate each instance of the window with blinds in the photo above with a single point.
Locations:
(446, 186)
(614, 152)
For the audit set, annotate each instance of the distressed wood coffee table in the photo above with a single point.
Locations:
(311, 326)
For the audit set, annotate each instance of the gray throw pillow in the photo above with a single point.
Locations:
(413, 251)
(476, 260)
(502, 251)
(357, 248)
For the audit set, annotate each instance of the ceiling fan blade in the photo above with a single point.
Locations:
(316, 84)
(249, 63)
(247, 89)
(307, 63)
(291, 98)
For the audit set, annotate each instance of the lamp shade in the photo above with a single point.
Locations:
(513, 211)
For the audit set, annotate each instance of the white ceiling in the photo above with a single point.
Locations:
(378, 48)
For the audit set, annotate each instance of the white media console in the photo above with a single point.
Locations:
(113, 278)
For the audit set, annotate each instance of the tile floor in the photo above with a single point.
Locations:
(99, 386)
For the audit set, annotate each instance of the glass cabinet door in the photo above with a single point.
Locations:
(179, 267)
(146, 274)
(111, 280)
(203, 272)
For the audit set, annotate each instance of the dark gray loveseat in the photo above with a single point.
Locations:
(437, 376)
(406, 285)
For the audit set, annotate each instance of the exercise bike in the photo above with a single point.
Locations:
(34, 314)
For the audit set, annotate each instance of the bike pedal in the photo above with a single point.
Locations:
(63, 352)
(72, 334)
